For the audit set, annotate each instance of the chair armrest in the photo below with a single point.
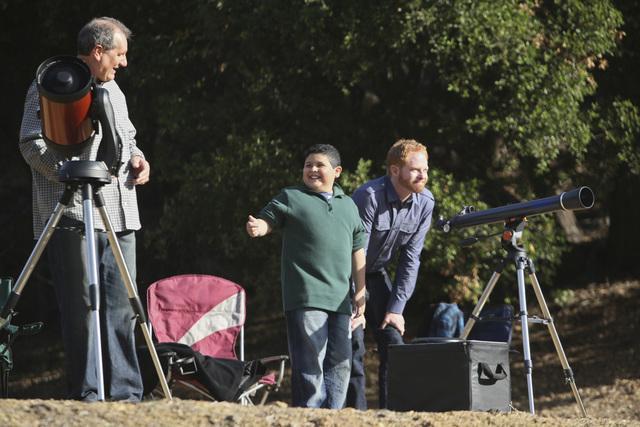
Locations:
(281, 360)
(272, 359)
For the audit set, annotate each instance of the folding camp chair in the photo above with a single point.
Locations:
(198, 321)
(8, 334)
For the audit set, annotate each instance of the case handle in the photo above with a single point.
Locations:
(490, 376)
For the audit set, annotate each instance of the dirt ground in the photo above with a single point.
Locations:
(598, 330)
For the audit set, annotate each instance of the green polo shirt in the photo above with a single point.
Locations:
(319, 237)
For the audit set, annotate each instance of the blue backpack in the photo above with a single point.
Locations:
(447, 321)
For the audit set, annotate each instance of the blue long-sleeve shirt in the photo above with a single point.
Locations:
(393, 226)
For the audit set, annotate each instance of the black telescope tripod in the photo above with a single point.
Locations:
(88, 177)
(512, 233)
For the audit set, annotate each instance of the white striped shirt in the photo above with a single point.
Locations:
(119, 195)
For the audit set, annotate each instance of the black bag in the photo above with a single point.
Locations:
(225, 379)
(449, 375)
(495, 324)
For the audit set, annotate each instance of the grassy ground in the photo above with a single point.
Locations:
(598, 328)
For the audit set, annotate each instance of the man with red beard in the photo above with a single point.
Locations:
(396, 212)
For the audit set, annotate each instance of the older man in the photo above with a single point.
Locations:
(396, 211)
(102, 45)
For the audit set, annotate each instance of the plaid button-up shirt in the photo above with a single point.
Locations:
(119, 195)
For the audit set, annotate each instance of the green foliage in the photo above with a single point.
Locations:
(498, 90)
(459, 274)
(618, 136)
(352, 180)
(524, 69)
(455, 271)
(226, 95)
(562, 297)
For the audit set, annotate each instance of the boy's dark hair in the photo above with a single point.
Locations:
(328, 150)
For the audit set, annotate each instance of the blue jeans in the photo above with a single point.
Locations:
(320, 351)
(378, 285)
(67, 254)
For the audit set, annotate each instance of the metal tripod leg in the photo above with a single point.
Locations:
(134, 300)
(521, 262)
(510, 242)
(91, 268)
(475, 314)
(36, 253)
(556, 340)
(94, 282)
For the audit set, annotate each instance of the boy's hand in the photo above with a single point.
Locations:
(357, 318)
(257, 227)
(357, 321)
(358, 306)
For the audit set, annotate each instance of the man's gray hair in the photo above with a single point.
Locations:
(100, 31)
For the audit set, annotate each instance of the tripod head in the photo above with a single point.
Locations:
(83, 171)
(512, 235)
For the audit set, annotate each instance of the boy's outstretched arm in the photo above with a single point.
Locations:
(358, 261)
(257, 227)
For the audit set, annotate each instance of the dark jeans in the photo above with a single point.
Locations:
(378, 289)
(67, 254)
(356, 391)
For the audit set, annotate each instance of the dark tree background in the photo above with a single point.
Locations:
(515, 100)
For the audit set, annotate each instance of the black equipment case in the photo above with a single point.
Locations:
(432, 374)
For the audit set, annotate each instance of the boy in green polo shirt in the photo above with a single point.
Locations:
(322, 249)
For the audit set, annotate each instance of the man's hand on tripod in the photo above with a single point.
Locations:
(141, 170)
